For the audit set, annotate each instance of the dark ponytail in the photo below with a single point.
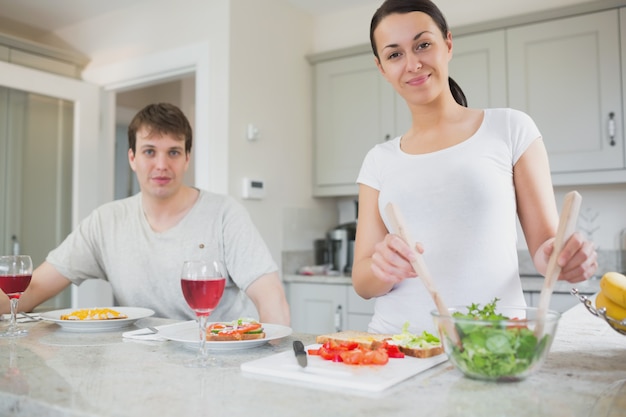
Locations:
(457, 93)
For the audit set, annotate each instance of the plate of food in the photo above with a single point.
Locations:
(238, 334)
(96, 319)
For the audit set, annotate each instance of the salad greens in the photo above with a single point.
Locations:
(412, 341)
(498, 350)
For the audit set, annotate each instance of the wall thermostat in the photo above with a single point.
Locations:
(253, 189)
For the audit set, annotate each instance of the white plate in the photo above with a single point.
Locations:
(187, 333)
(133, 313)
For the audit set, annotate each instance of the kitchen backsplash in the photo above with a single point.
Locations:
(608, 260)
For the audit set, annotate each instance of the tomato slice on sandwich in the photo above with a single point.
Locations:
(236, 327)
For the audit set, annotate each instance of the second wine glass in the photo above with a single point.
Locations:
(203, 284)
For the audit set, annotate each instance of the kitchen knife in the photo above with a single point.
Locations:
(298, 349)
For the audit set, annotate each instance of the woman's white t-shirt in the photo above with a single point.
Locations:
(460, 203)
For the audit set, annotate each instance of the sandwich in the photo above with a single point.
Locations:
(422, 346)
(240, 329)
(363, 339)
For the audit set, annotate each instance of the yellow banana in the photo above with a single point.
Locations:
(613, 310)
(613, 284)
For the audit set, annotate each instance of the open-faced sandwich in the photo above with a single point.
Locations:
(240, 329)
(94, 314)
(419, 346)
(424, 345)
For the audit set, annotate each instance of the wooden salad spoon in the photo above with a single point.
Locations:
(399, 226)
(567, 226)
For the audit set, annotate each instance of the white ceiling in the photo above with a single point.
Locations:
(50, 15)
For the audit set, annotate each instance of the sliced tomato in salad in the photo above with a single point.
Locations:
(519, 323)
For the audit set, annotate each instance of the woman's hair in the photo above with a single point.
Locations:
(162, 118)
(407, 6)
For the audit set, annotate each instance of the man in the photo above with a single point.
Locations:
(139, 244)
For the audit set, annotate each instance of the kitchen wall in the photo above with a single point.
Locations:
(257, 56)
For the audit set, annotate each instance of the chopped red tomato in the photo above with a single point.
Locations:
(393, 351)
(351, 353)
(362, 356)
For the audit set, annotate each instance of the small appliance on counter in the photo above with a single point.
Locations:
(340, 246)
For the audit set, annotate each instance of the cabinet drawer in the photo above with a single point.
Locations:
(357, 304)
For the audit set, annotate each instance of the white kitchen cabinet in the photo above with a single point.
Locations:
(319, 308)
(360, 311)
(478, 66)
(354, 110)
(565, 74)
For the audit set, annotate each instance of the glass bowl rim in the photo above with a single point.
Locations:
(551, 315)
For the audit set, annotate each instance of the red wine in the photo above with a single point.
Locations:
(203, 295)
(14, 285)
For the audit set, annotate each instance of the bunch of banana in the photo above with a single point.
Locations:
(612, 296)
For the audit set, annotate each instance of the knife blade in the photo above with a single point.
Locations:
(298, 348)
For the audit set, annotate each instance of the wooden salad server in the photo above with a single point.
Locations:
(398, 223)
(566, 228)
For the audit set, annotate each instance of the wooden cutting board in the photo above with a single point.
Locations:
(323, 374)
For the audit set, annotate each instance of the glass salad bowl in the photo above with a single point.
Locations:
(496, 343)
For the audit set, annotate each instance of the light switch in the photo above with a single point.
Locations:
(252, 132)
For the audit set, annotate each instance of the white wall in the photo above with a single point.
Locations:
(271, 88)
(261, 76)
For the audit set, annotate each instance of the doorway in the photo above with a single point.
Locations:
(36, 179)
(179, 92)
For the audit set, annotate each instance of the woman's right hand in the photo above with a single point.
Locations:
(391, 260)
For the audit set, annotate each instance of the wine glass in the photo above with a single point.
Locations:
(15, 274)
(203, 284)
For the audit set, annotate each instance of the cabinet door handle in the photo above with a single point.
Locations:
(338, 320)
(611, 128)
(387, 137)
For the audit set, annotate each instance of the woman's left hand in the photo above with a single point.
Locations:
(578, 258)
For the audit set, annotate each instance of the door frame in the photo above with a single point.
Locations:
(86, 194)
(211, 105)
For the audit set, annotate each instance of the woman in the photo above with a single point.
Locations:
(459, 176)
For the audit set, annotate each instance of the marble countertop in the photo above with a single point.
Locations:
(52, 373)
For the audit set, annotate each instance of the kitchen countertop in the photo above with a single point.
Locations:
(52, 373)
(530, 283)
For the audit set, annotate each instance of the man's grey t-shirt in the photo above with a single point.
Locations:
(116, 243)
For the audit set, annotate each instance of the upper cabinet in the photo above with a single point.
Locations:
(354, 110)
(478, 66)
(565, 74)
